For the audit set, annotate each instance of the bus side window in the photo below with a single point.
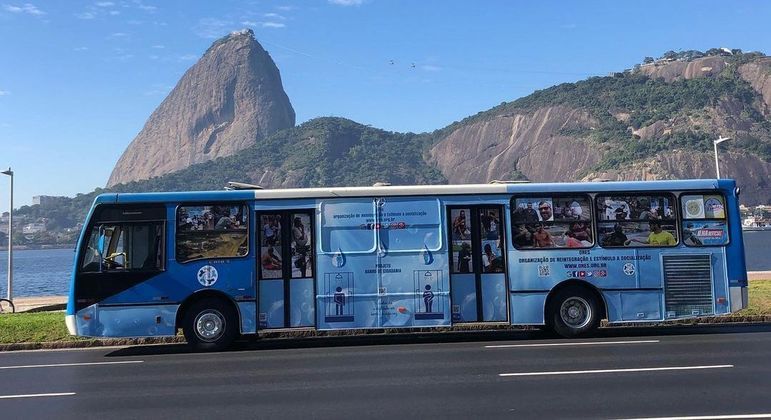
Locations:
(93, 253)
(551, 221)
(212, 231)
(122, 247)
(704, 219)
(633, 220)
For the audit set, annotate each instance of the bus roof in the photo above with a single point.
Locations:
(416, 190)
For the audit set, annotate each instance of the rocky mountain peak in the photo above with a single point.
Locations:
(231, 98)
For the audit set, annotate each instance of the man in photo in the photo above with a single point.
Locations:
(522, 236)
(531, 216)
(657, 237)
(617, 238)
(459, 227)
(545, 211)
(542, 238)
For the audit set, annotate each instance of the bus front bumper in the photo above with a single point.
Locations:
(739, 298)
(71, 327)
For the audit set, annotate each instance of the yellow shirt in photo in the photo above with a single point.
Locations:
(661, 238)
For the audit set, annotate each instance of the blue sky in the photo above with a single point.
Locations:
(78, 80)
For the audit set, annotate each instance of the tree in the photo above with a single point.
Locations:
(648, 60)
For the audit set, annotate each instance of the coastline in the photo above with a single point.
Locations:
(36, 247)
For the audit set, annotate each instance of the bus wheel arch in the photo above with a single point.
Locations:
(209, 320)
(574, 308)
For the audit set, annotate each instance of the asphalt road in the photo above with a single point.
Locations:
(621, 373)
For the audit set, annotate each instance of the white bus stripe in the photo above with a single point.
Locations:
(580, 372)
(719, 417)
(57, 394)
(585, 343)
(72, 364)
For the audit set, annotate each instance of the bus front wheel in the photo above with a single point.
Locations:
(574, 312)
(210, 325)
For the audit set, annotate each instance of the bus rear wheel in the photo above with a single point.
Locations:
(574, 312)
(210, 325)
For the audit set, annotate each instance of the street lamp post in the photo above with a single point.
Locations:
(717, 164)
(9, 292)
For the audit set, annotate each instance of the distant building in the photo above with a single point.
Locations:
(32, 228)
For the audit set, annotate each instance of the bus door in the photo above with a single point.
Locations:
(285, 269)
(477, 264)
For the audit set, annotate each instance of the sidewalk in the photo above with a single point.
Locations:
(759, 275)
(40, 303)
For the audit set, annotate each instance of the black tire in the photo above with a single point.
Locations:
(210, 325)
(6, 306)
(574, 312)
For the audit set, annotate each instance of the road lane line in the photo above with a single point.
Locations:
(57, 394)
(125, 362)
(718, 417)
(584, 343)
(580, 372)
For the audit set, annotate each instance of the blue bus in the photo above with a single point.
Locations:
(561, 255)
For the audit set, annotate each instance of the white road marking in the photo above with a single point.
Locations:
(125, 362)
(718, 417)
(580, 372)
(57, 394)
(584, 343)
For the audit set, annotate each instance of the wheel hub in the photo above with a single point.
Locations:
(209, 325)
(576, 312)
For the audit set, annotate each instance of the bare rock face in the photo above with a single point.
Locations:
(228, 100)
(758, 74)
(752, 174)
(535, 144)
(676, 70)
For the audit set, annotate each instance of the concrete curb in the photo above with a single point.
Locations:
(307, 333)
(90, 343)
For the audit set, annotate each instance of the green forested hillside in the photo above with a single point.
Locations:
(647, 101)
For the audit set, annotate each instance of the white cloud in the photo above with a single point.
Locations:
(272, 25)
(159, 47)
(430, 67)
(286, 8)
(346, 2)
(4, 93)
(80, 49)
(104, 4)
(274, 16)
(85, 15)
(145, 7)
(212, 28)
(114, 12)
(26, 8)
(118, 35)
(187, 57)
(249, 23)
